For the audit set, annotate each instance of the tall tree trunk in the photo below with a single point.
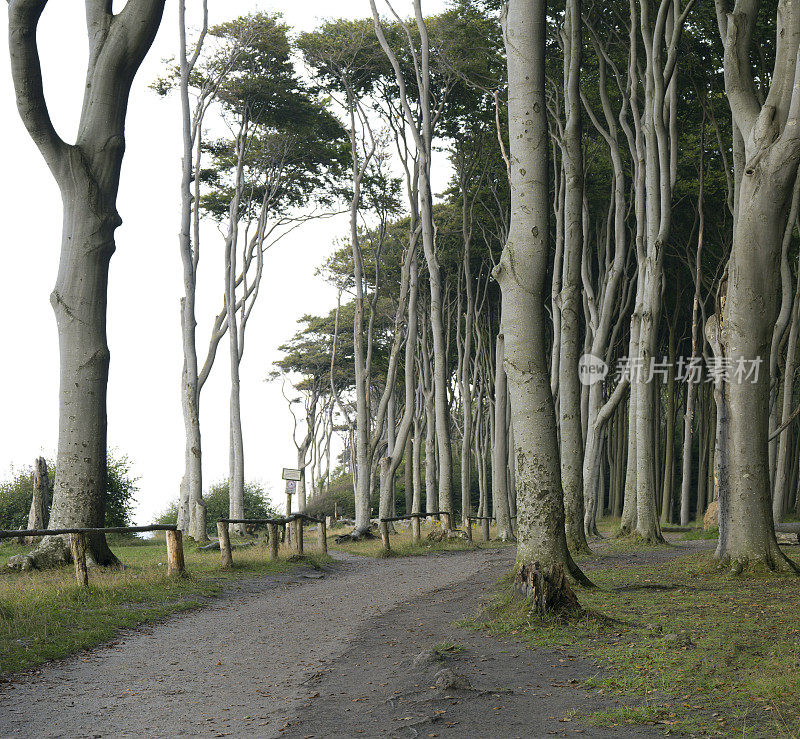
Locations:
(772, 145)
(500, 447)
(569, 395)
(669, 444)
(191, 507)
(521, 274)
(87, 174)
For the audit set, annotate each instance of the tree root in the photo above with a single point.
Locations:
(54, 551)
(769, 563)
(547, 588)
(579, 546)
(650, 538)
(440, 534)
(355, 535)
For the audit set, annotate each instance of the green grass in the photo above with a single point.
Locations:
(701, 533)
(448, 647)
(45, 615)
(741, 660)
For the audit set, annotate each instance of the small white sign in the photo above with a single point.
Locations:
(291, 487)
(291, 474)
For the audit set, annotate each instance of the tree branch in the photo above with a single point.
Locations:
(26, 70)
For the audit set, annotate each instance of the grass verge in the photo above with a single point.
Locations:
(45, 615)
(402, 546)
(680, 645)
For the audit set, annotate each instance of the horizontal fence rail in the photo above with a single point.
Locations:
(293, 534)
(412, 516)
(10, 534)
(77, 544)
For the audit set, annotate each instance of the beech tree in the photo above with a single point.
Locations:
(521, 274)
(87, 173)
(770, 132)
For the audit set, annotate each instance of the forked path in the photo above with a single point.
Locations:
(298, 656)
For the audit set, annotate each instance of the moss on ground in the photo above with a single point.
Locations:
(680, 644)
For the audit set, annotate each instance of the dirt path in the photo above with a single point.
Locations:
(298, 655)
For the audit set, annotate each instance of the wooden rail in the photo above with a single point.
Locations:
(414, 518)
(294, 522)
(77, 544)
(10, 534)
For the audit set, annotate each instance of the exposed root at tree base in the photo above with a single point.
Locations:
(547, 589)
(355, 535)
(442, 534)
(54, 551)
(649, 539)
(772, 562)
(579, 547)
(623, 532)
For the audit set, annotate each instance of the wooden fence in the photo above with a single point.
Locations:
(294, 523)
(415, 525)
(77, 544)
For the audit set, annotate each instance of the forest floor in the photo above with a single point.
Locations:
(429, 646)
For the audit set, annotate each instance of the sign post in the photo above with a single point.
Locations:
(292, 476)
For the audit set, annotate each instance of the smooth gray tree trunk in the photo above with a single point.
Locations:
(521, 274)
(87, 173)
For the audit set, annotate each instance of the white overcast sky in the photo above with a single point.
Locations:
(145, 286)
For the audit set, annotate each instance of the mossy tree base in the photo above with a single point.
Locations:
(54, 551)
(547, 588)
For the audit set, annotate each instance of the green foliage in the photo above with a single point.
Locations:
(339, 498)
(16, 493)
(292, 148)
(257, 504)
(122, 489)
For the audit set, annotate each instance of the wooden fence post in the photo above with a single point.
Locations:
(415, 530)
(297, 535)
(322, 536)
(385, 536)
(175, 562)
(446, 521)
(468, 528)
(273, 540)
(485, 527)
(77, 544)
(226, 556)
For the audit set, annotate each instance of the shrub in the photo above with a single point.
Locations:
(257, 504)
(16, 493)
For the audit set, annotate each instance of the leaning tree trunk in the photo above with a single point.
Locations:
(87, 174)
(521, 274)
(780, 484)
